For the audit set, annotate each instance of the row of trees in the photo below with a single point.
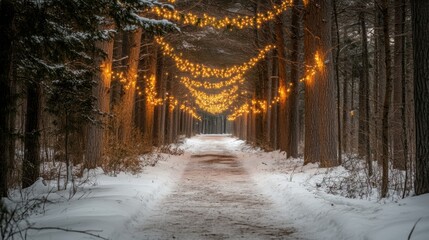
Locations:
(350, 93)
(82, 83)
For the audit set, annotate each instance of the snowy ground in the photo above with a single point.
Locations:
(222, 189)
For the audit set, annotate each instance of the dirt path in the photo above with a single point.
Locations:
(215, 199)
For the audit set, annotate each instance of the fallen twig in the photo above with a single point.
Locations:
(87, 232)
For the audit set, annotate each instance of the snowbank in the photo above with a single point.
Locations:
(319, 215)
(108, 205)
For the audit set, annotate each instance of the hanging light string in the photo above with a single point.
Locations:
(220, 106)
(190, 110)
(238, 79)
(200, 70)
(153, 99)
(226, 22)
(259, 106)
(215, 103)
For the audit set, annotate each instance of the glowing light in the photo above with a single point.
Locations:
(226, 22)
(200, 70)
(318, 60)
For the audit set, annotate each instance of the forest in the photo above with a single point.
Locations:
(116, 84)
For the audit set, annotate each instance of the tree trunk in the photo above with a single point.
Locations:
(294, 86)
(398, 87)
(337, 80)
(275, 108)
(346, 107)
(7, 31)
(31, 162)
(159, 79)
(149, 107)
(387, 101)
(130, 88)
(364, 131)
(420, 22)
(101, 91)
(281, 61)
(380, 81)
(321, 139)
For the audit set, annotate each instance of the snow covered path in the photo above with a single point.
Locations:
(220, 188)
(215, 199)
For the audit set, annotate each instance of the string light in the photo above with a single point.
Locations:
(311, 70)
(190, 110)
(238, 79)
(215, 103)
(259, 106)
(200, 70)
(150, 91)
(226, 22)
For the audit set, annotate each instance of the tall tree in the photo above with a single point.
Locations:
(379, 79)
(399, 77)
(7, 31)
(364, 130)
(294, 84)
(337, 78)
(420, 22)
(283, 118)
(31, 162)
(320, 109)
(101, 92)
(387, 100)
(130, 84)
(346, 105)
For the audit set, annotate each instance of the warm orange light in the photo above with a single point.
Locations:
(319, 61)
(226, 22)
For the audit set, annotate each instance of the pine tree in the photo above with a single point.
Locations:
(420, 21)
(320, 116)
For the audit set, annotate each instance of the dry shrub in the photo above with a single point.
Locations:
(124, 156)
(355, 182)
(171, 150)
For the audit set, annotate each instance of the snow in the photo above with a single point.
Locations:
(105, 205)
(118, 207)
(319, 215)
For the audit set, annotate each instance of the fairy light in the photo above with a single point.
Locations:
(150, 91)
(238, 79)
(190, 110)
(200, 70)
(206, 20)
(311, 71)
(212, 103)
(215, 103)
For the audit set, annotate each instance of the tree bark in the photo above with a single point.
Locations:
(158, 123)
(7, 31)
(398, 87)
(387, 101)
(346, 107)
(321, 125)
(420, 22)
(149, 107)
(101, 91)
(380, 81)
(337, 80)
(31, 162)
(364, 130)
(283, 118)
(130, 88)
(294, 86)
(275, 108)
